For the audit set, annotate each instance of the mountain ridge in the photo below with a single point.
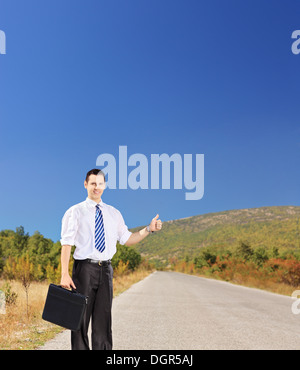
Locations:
(267, 227)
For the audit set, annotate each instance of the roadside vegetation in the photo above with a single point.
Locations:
(257, 268)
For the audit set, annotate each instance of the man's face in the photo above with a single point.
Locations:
(95, 187)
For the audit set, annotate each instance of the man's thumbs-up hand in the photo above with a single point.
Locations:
(155, 224)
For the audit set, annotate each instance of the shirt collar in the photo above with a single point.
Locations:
(92, 203)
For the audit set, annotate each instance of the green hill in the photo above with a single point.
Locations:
(270, 228)
(267, 227)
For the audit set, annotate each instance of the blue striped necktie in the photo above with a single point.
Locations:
(99, 230)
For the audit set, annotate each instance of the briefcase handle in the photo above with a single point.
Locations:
(70, 290)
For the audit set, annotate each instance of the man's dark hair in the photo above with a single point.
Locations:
(94, 171)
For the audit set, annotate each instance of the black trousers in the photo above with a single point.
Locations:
(96, 282)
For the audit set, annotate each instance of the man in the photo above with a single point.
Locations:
(94, 228)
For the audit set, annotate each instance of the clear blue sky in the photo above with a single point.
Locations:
(81, 78)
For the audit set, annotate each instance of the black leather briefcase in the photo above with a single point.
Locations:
(64, 307)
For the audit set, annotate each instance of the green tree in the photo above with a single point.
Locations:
(20, 240)
(51, 273)
(200, 262)
(260, 256)
(275, 252)
(39, 251)
(9, 270)
(127, 254)
(209, 257)
(244, 251)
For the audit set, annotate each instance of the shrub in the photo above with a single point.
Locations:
(126, 255)
(10, 296)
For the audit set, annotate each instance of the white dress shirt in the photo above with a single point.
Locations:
(78, 228)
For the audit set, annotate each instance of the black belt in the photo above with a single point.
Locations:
(100, 263)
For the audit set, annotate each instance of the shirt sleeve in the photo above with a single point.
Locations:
(69, 227)
(123, 232)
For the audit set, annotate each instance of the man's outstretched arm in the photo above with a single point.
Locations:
(155, 225)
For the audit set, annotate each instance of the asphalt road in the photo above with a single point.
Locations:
(169, 310)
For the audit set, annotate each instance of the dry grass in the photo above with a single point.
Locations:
(123, 282)
(270, 286)
(22, 332)
(240, 275)
(19, 331)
